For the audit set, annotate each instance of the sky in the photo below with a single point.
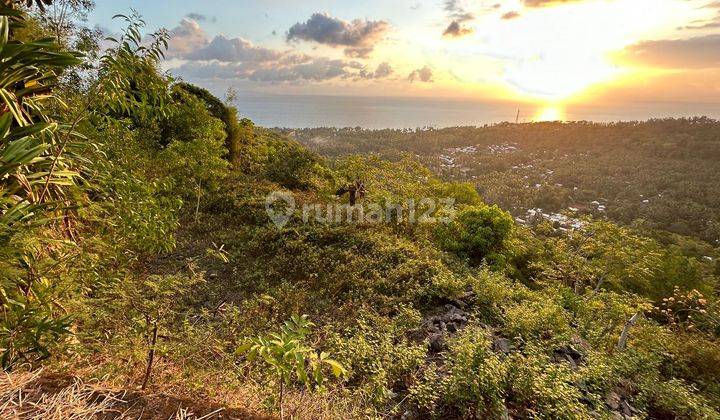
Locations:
(552, 53)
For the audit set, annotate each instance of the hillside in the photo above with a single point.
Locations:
(164, 258)
(661, 174)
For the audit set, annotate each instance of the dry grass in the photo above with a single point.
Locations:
(21, 397)
(40, 396)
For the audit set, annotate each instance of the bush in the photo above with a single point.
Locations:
(378, 355)
(293, 166)
(477, 233)
(471, 383)
(537, 320)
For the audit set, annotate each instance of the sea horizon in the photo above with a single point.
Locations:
(308, 111)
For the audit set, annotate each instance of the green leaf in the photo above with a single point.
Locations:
(337, 369)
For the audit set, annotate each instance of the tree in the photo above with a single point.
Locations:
(288, 357)
(476, 233)
(225, 113)
(37, 173)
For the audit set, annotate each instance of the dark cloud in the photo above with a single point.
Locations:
(223, 58)
(424, 74)
(197, 17)
(457, 11)
(383, 70)
(510, 15)
(455, 29)
(358, 36)
(699, 52)
(233, 49)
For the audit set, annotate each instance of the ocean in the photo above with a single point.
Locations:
(302, 111)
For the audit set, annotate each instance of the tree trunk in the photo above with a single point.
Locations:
(197, 204)
(151, 356)
(282, 391)
(626, 331)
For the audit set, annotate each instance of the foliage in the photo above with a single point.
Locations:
(377, 354)
(38, 167)
(236, 132)
(293, 166)
(288, 357)
(129, 83)
(477, 233)
(477, 317)
(471, 383)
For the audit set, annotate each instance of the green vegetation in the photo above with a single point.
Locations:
(136, 251)
(657, 174)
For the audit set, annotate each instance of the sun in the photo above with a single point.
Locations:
(550, 113)
(551, 54)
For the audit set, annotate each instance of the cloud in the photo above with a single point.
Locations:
(704, 24)
(233, 49)
(382, 71)
(316, 70)
(424, 74)
(185, 38)
(224, 58)
(457, 11)
(544, 3)
(510, 15)
(312, 70)
(698, 52)
(197, 17)
(358, 36)
(455, 30)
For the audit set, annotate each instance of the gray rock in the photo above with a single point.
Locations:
(612, 400)
(628, 409)
(437, 342)
(502, 345)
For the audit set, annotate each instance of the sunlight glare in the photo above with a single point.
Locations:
(550, 113)
(555, 53)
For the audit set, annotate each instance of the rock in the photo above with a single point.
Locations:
(437, 342)
(580, 343)
(451, 320)
(448, 320)
(627, 409)
(459, 303)
(568, 354)
(616, 416)
(612, 400)
(501, 345)
(409, 415)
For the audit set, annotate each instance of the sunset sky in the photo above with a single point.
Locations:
(548, 52)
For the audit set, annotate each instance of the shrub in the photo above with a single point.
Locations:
(377, 353)
(537, 320)
(477, 233)
(471, 383)
(293, 166)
